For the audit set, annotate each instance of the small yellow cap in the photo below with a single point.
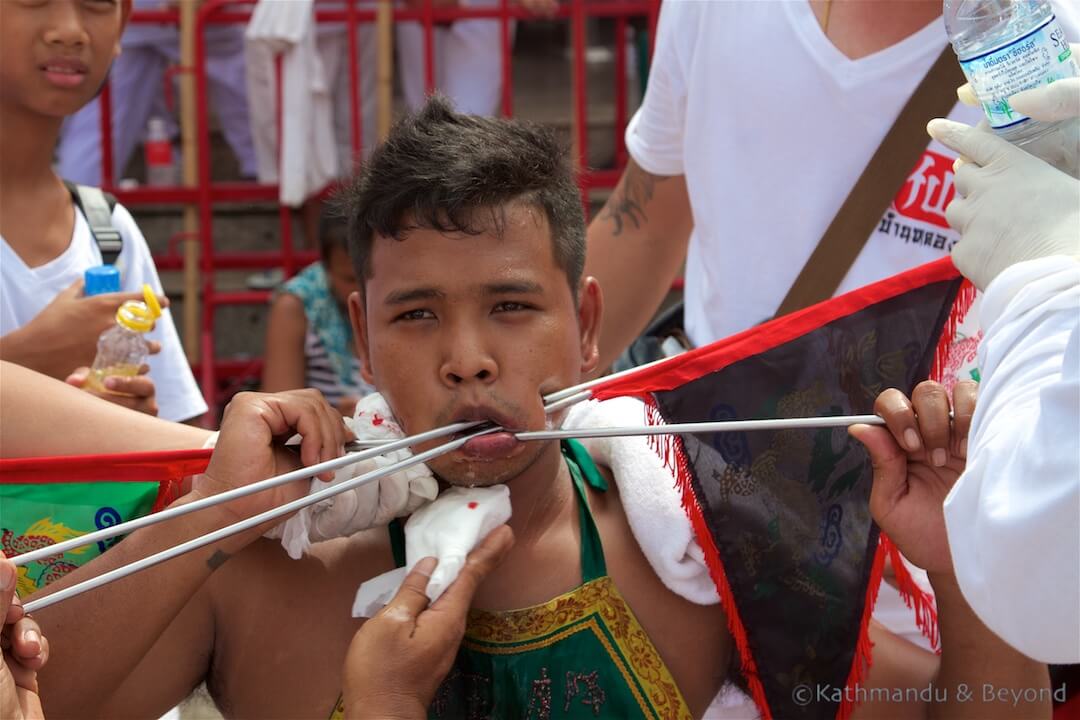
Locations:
(150, 297)
(135, 316)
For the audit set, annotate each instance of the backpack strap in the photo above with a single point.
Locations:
(98, 206)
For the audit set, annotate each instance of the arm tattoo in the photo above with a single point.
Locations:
(218, 559)
(628, 202)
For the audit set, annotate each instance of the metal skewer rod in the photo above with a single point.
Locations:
(704, 427)
(222, 533)
(692, 428)
(177, 511)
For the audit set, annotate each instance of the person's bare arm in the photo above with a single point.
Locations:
(40, 416)
(636, 246)
(917, 459)
(284, 366)
(1001, 681)
(906, 681)
(125, 619)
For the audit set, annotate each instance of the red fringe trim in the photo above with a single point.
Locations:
(920, 601)
(864, 656)
(965, 297)
(167, 468)
(670, 450)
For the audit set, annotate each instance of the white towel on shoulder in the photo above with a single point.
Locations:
(650, 499)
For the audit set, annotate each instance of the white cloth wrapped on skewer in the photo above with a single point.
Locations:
(372, 505)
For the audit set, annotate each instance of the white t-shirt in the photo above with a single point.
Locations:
(1012, 515)
(25, 291)
(772, 126)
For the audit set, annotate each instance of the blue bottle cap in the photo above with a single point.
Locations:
(102, 279)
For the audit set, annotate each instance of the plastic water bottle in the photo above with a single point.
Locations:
(157, 149)
(122, 349)
(1006, 46)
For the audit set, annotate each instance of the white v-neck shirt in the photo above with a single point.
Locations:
(25, 291)
(772, 126)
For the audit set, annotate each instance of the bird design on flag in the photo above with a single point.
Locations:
(43, 533)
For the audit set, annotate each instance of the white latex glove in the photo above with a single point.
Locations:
(1058, 102)
(449, 528)
(371, 505)
(1010, 206)
(1050, 103)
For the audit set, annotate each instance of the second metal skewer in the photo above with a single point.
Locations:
(683, 428)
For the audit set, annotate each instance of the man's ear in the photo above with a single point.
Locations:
(590, 313)
(358, 318)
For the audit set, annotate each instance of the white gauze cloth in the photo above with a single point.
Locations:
(446, 529)
(370, 505)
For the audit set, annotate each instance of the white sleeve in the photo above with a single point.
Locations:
(654, 136)
(1013, 518)
(178, 395)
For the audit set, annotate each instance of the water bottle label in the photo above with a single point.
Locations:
(1039, 57)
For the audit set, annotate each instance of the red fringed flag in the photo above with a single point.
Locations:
(783, 516)
(47, 500)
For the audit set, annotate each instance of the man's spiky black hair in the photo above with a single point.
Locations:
(450, 172)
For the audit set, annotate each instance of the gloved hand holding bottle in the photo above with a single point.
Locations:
(1056, 104)
(1010, 206)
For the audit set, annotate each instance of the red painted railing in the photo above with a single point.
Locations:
(210, 194)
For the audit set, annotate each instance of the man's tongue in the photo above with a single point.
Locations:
(490, 447)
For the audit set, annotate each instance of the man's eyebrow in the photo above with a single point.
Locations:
(521, 287)
(402, 297)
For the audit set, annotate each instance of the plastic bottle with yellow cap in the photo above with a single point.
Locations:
(122, 349)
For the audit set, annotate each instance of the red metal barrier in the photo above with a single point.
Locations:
(210, 194)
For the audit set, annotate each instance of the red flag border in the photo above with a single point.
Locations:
(168, 468)
(716, 356)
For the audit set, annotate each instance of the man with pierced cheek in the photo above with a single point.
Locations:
(468, 239)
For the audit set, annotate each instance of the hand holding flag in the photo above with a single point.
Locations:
(916, 460)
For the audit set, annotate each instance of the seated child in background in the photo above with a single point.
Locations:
(309, 341)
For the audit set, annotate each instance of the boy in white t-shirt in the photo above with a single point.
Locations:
(53, 58)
